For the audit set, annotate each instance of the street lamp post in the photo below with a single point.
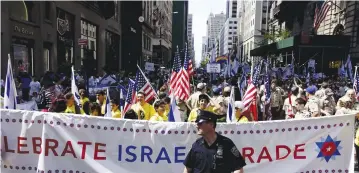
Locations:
(161, 55)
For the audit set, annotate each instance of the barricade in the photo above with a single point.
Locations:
(52, 142)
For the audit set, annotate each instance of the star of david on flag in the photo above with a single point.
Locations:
(328, 148)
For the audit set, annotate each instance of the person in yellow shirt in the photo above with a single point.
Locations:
(240, 118)
(203, 105)
(160, 107)
(71, 107)
(144, 110)
(101, 100)
(83, 98)
(116, 113)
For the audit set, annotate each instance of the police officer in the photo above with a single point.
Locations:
(212, 153)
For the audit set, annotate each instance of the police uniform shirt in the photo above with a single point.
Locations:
(221, 157)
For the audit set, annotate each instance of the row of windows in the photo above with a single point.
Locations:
(233, 27)
(147, 42)
(230, 22)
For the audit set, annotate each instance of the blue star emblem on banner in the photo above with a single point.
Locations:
(328, 148)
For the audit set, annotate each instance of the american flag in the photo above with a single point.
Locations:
(143, 85)
(321, 11)
(251, 92)
(188, 64)
(183, 84)
(175, 72)
(131, 92)
(356, 83)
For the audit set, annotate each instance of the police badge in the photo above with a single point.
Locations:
(219, 152)
(235, 151)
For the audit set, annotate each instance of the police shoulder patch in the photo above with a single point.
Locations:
(235, 151)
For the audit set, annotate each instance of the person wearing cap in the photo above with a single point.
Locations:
(219, 100)
(203, 103)
(328, 102)
(212, 152)
(192, 101)
(321, 92)
(240, 116)
(312, 104)
(290, 102)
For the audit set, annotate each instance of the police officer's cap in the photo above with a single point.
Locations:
(206, 116)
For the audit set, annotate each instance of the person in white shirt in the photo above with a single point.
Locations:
(34, 86)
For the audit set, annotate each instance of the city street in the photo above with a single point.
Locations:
(173, 86)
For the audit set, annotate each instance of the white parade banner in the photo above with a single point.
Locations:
(50, 142)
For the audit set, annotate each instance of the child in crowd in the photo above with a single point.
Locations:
(116, 113)
(160, 107)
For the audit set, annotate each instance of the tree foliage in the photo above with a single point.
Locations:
(277, 35)
(204, 62)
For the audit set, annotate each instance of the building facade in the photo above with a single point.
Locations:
(214, 26)
(190, 36)
(148, 29)
(179, 25)
(229, 35)
(254, 20)
(232, 7)
(45, 36)
(343, 19)
(204, 47)
(162, 41)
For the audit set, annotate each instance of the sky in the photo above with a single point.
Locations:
(201, 10)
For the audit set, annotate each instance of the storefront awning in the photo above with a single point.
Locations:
(314, 41)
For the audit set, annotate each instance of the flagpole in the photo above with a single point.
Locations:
(355, 74)
(252, 68)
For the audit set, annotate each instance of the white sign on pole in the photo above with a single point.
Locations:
(214, 68)
(150, 66)
(49, 142)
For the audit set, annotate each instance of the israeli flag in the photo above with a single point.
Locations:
(10, 89)
(174, 115)
(74, 89)
(230, 110)
(108, 112)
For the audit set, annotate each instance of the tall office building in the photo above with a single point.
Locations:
(232, 8)
(228, 36)
(190, 35)
(179, 25)
(214, 26)
(204, 47)
(254, 20)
